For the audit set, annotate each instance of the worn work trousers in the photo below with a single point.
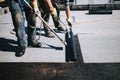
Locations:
(46, 13)
(17, 12)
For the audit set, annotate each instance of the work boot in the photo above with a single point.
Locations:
(48, 33)
(34, 44)
(58, 25)
(60, 28)
(20, 52)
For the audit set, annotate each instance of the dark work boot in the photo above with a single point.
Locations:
(60, 28)
(58, 25)
(48, 33)
(20, 52)
(34, 44)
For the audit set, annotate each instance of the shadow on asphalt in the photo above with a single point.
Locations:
(8, 45)
(52, 47)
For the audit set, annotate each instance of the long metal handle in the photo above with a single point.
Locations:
(45, 23)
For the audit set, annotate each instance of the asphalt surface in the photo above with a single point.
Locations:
(85, 28)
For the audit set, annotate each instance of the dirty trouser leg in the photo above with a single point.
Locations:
(45, 15)
(18, 22)
(31, 23)
(48, 33)
(57, 21)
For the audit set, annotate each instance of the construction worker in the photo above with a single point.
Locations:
(17, 8)
(46, 8)
(67, 9)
